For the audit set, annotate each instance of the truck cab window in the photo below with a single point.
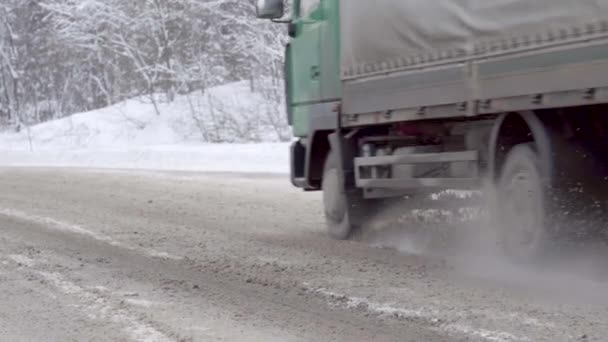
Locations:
(308, 6)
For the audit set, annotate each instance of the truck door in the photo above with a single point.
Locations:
(304, 67)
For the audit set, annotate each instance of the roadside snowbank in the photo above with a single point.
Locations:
(255, 158)
(131, 135)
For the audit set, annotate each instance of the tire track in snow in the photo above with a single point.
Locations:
(94, 305)
(433, 316)
(51, 223)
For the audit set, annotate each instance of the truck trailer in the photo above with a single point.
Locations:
(393, 98)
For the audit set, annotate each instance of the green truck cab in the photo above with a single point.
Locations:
(395, 98)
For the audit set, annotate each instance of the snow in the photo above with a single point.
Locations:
(256, 158)
(131, 135)
(55, 224)
(443, 320)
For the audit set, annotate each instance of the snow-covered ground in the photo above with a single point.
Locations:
(132, 135)
(258, 158)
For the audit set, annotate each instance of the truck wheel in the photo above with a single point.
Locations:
(335, 201)
(522, 204)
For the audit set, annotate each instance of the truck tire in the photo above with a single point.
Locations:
(522, 204)
(335, 201)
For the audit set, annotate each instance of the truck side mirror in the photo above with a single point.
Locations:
(270, 9)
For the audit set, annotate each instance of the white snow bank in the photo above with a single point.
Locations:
(230, 113)
(131, 135)
(256, 158)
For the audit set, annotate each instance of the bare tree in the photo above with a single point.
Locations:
(58, 57)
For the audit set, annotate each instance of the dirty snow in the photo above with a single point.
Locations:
(77, 229)
(427, 313)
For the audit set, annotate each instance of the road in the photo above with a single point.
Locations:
(158, 256)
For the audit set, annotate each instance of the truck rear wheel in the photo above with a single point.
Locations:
(522, 204)
(344, 210)
(335, 201)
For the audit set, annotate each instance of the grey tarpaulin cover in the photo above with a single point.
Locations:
(375, 31)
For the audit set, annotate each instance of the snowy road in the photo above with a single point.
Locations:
(151, 256)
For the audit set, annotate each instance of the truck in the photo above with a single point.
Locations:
(393, 98)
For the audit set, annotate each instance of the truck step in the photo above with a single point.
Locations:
(415, 183)
(371, 172)
(419, 158)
